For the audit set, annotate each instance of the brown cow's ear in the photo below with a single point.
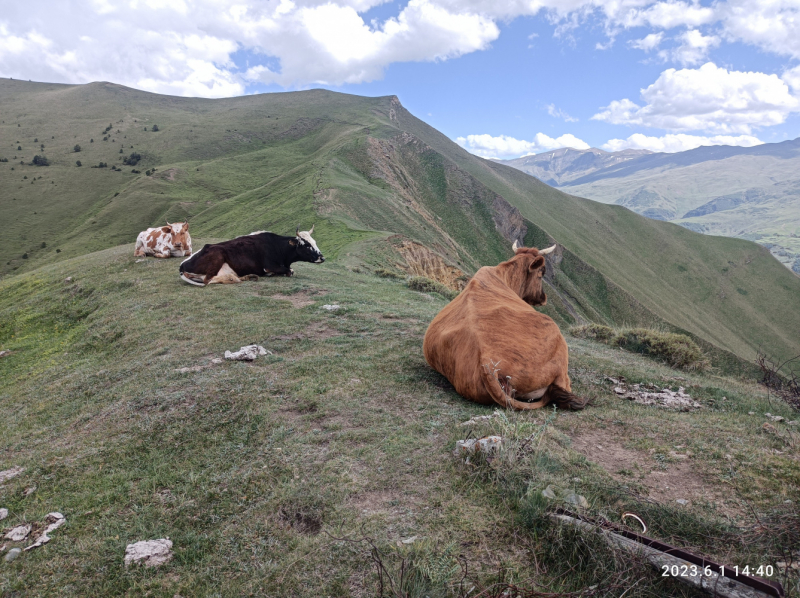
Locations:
(292, 242)
(536, 263)
(166, 229)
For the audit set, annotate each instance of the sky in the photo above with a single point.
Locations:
(502, 78)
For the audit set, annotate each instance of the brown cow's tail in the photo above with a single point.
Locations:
(492, 385)
(563, 398)
(554, 394)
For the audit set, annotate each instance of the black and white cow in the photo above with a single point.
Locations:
(244, 258)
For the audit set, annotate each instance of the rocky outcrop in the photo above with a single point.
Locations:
(508, 220)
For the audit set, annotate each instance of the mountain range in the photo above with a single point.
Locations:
(388, 194)
(751, 193)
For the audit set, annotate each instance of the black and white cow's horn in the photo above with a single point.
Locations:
(297, 231)
(311, 232)
(548, 250)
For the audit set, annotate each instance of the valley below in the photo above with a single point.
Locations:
(748, 193)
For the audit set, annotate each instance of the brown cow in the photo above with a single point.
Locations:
(494, 347)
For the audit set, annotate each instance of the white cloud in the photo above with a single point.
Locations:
(666, 15)
(648, 42)
(503, 146)
(677, 142)
(188, 46)
(792, 78)
(694, 48)
(772, 25)
(555, 112)
(710, 99)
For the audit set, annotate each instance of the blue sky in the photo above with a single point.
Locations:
(501, 78)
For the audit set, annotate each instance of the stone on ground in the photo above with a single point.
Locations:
(150, 553)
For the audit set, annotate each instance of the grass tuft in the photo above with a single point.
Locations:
(426, 285)
(676, 350)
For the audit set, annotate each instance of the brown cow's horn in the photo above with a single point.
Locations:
(515, 246)
(548, 250)
(297, 231)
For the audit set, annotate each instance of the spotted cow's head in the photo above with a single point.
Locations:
(306, 246)
(181, 241)
(530, 264)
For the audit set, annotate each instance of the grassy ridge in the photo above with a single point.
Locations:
(342, 429)
(364, 169)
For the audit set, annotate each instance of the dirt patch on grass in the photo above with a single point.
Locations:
(298, 300)
(169, 174)
(303, 522)
(317, 331)
(675, 478)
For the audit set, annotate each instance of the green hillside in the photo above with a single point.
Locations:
(749, 193)
(268, 477)
(385, 190)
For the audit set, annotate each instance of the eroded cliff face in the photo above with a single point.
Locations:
(508, 220)
(421, 261)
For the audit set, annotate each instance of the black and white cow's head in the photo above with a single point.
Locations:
(306, 247)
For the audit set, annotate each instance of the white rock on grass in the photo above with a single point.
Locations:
(248, 353)
(150, 553)
(480, 418)
(12, 554)
(19, 533)
(486, 445)
(331, 307)
(577, 500)
(10, 473)
(3, 514)
(54, 521)
(665, 398)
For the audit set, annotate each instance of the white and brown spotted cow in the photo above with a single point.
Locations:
(172, 240)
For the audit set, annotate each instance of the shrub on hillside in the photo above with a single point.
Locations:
(40, 161)
(155, 128)
(77, 148)
(426, 285)
(677, 350)
(595, 331)
(132, 159)
(77, 163)
(383, 272)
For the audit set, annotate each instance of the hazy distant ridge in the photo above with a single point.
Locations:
(745, 192)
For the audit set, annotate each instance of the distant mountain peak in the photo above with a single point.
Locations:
(561, 166)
